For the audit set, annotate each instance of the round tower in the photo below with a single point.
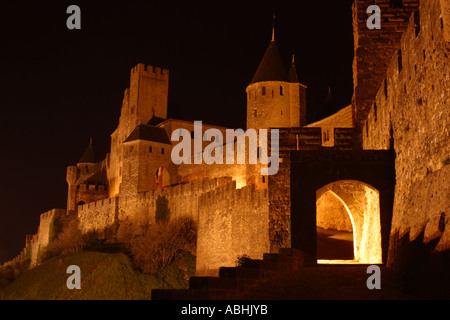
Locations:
(275, 97)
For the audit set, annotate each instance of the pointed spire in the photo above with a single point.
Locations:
(88, 155)
(273, 26)
(293, 76)
(329, 97)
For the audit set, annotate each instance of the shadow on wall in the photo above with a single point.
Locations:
(423, 271)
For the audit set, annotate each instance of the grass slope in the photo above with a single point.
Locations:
(105, 276)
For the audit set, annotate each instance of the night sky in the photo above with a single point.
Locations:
(61, 87)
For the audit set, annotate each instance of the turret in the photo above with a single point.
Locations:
(275, 97)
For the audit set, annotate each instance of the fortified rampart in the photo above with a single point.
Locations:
(411, 112)
(50, 223)
(232, 223)
(120, 215)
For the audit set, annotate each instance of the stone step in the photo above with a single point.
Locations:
(220, 283)
(235, 279)
(240, 272)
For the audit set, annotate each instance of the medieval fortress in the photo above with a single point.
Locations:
(378, 168)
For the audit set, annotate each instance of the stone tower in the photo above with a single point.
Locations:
(86, 181)
(275, 97)
(374, 50)
(146, 99)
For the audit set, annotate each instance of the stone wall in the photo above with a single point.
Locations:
(412, 110)
(341, 119)
(280, 205)
(374, 50)
(50, 223)
(114, 217)
(232, 223)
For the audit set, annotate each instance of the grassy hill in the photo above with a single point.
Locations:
(106, 276)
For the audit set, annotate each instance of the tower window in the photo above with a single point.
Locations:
(162, 150)
(264, 179)
(263, 91)
(255, 113)
(281, 91)
(150, 149)
(281, 112)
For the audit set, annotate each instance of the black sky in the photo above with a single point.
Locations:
(59, 87)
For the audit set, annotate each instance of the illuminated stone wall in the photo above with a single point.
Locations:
(359, 212)
(412, 109)
(147, 96)
(232, 223)
(115, 216)
(341, 119)
(50, 223)
(332, 213)
(274, 104)
(374, 50)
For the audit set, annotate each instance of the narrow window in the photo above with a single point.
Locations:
(281, 91)
(264, 179)
(417, 22)
(255, 113)
(162, 151)
(281, 112)
(375, 111)
(263, 91)
(150, 149)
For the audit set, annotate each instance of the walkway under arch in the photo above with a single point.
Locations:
(312, 170)
(352, 206)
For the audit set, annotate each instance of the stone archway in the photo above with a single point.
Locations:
(309, 171)
(352, 206)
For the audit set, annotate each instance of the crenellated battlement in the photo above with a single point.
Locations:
(421, 46)
(96, 188)
(410, 115)
(150, 71)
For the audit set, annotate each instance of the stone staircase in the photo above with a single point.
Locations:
(235, 280)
